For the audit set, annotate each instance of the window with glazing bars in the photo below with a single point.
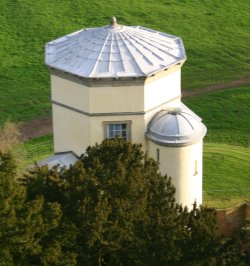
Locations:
(117, 129)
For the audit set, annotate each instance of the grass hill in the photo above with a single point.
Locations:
(226, 163)
(216, 37)
(226, 114)
(215, 33)
(226, 176)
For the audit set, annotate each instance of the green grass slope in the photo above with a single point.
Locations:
(226, 115)
(37, 149)
(215, 33)
(226, 178)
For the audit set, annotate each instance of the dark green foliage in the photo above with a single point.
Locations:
(111, 208)
(26, 227)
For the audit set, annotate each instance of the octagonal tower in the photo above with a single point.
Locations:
(112, 80)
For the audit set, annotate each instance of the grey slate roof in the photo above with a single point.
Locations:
(114, 51)
(63, 160)
(176, 127)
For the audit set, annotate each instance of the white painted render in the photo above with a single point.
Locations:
(116, 99)
(70, 93)
(179, 164)
(74, 131)
(161, 90)
(107, 99)
(70, 130)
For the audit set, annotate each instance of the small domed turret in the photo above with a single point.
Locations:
(175, 140)
(176, 127)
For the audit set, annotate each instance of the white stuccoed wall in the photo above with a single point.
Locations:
(69, 93)
(162, 90)
(70, 130)
(75, 131)
(179, 164)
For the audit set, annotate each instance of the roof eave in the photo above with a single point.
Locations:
(99, 81)
(141, 77)
(180, 62)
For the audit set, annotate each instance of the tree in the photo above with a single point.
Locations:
(117, 209)
(24, 225)
(112, 207)
(9, 136)
(10, 140)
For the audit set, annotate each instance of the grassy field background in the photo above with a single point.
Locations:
(37, 149)
(226, 114)
(226, 176)
(216, 37)
(226, 161)
(215, 33)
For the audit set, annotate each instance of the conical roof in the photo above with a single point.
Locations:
(114, 51)
(176, 127)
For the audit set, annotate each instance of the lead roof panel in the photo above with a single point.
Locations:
(114, 51)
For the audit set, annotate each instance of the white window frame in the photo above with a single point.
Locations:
(126, 122)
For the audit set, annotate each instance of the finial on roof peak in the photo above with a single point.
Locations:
(113, 21)
(175, 111)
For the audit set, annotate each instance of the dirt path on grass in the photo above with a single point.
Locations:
(35, 128)
(220, 86)
(43, 126)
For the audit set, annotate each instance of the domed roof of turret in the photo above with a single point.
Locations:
(176, 127)
(114, 51)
